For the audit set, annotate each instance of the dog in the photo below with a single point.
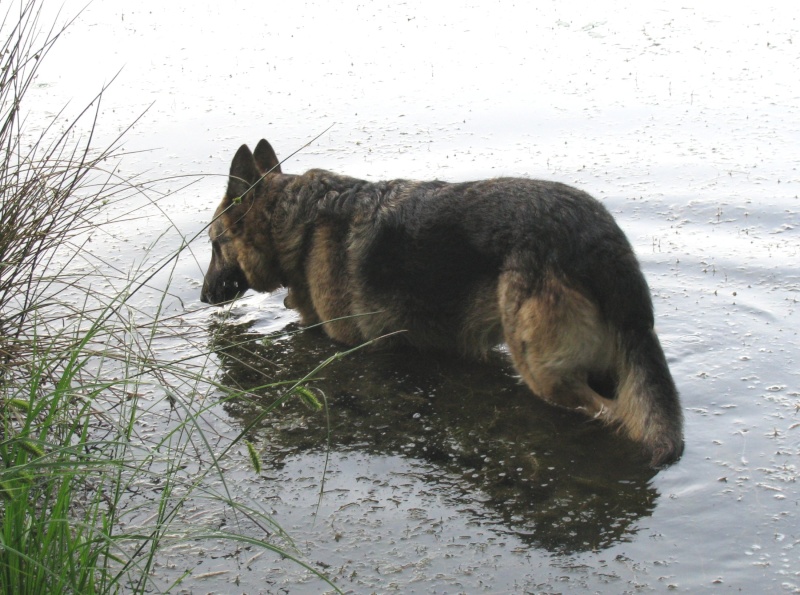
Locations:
(460, 267)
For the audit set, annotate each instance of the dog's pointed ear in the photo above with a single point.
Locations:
(244, 174)
(266, 160)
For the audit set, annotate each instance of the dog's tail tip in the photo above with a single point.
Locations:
(664, 452)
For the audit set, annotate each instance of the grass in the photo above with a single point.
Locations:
(90, 499)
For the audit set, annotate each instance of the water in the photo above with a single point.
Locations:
(445, 477)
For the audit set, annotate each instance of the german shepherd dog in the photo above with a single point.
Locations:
(461, 267)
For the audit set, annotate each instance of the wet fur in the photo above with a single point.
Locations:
(537, 265)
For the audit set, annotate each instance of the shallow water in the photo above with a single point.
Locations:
(441, 476)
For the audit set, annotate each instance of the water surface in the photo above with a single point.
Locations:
(446, 477)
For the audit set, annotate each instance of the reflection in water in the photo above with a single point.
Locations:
(548, 476)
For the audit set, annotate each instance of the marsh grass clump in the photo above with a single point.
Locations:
(44, 202)
(88, 499)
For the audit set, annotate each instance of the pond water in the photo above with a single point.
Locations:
(444, 477)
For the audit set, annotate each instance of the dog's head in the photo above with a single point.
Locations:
(242, 256)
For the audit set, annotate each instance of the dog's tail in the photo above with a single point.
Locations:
(646, 404)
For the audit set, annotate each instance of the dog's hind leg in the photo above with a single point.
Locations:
(557, 339)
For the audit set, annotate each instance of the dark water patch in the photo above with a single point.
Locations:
(550, 477)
